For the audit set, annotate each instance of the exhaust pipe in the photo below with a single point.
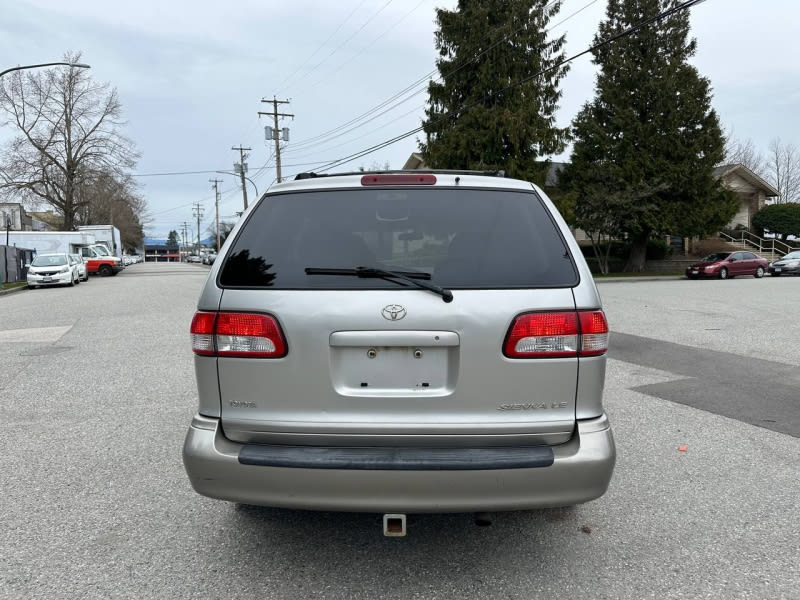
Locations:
(394, 525)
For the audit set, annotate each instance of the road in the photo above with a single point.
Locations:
(97, 391)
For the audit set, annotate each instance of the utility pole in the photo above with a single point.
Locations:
(197, 211)
(185, 236)
(274, 133)
(241, 168)
(5, 248)
(7, 223)
(215, 183)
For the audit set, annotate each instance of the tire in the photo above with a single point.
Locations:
(32, 287)
(723, 273)
(86, 278)
(759, 273)
(71, 282)
(776, 274)
(104, 271)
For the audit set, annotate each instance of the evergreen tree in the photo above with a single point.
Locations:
(479, 115)
(649, 138)
(173, 241)
(781, 219)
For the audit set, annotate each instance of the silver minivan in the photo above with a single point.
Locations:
(400, 342)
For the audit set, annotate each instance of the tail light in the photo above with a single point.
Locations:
(203, 333)
(244, 335)
(557, 335)
(594, 333)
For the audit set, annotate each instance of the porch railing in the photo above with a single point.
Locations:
(761, 245)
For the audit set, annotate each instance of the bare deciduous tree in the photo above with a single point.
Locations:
(105, 198)
(743, 152)
(68, 127)
(783, 170)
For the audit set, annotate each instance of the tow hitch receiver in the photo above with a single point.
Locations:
(394, 525)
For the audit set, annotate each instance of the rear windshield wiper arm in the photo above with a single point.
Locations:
(412, 277)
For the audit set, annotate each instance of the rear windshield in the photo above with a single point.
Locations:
(463, 238)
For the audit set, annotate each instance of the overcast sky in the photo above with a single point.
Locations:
(191, 74)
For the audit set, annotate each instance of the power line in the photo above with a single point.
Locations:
(172, 173)
(298, 146)
(577, 12)
(371, 132)
(629, 31)
(394, 24)
(320, 47)
(315, 140)
(412, 87)
(171, 209)
(335, 50)
(336, 162)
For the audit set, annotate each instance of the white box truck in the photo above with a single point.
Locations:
(99, 261)
(46, 242)
(108, 235)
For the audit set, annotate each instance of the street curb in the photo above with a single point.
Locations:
(639, 279)
(13, 290)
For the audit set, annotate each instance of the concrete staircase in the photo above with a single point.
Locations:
(770, 255)
(768, 248)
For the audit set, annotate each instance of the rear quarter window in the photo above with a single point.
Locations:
(464, 238)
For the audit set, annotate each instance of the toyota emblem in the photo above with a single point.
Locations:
(393, 312)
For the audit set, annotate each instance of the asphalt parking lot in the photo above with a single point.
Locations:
(98, 389)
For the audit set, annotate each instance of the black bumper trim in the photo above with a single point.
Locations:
(396, 459)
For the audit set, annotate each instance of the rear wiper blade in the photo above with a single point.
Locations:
(412, 277)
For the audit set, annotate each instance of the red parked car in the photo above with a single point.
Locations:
(725, 265)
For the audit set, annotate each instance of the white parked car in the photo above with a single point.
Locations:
(83, 272)
(53, 269)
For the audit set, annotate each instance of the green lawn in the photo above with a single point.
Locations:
(11, 286)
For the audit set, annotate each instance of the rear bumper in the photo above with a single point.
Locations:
(580, 471)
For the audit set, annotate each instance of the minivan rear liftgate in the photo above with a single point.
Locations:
(387, 384)
(401, 343)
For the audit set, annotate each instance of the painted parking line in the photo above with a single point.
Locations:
(34, 335)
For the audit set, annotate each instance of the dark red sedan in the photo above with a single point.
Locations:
(725, 265)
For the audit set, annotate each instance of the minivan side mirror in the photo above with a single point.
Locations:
(27, 265)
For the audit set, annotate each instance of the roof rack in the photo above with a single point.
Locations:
(312, 175)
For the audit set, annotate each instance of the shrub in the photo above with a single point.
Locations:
(658, 250)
